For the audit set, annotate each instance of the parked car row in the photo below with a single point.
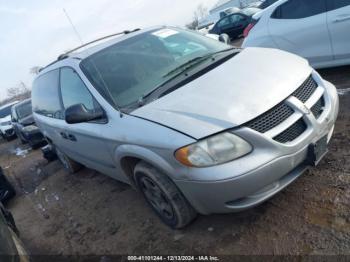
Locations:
(317, 30)
(16, 120)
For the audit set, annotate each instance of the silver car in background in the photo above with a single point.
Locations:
(196, 125)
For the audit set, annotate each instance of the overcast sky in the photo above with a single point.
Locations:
(35, 32)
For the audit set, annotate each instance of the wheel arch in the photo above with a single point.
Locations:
(129, 155)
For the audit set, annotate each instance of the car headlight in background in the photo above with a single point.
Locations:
(7, 123)
(30, 128)
(214, 150)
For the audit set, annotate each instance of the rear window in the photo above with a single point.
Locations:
(6, 111)
(297, 9)
(45, 95)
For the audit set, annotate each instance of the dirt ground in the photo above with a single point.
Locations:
(89, 213)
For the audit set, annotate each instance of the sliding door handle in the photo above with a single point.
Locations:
(72, 137)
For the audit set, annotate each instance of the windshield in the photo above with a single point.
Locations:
(132, 68)
(24, 110)
(6, 111)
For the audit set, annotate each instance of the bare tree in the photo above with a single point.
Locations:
(200, 13)
(18, 92)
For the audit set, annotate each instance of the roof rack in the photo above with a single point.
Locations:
(65, 55)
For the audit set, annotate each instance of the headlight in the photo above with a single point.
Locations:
(214, 150)
(29, 128)
(7, 123)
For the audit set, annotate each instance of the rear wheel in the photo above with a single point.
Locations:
(20, 136)
(69, 164)
(163, 196)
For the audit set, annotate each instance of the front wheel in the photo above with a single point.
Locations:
(163, 196)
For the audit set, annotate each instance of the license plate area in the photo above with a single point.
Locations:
(317, 151)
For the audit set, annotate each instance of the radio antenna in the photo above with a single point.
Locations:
(74, 29)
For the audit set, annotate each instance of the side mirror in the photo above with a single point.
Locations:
(225, 39)
(79, 114)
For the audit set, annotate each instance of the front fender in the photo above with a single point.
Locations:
(143, 154)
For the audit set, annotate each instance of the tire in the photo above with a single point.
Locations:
(20, 136)
(69, 164)
(163, 196)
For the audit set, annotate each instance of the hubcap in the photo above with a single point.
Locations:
(157, 198)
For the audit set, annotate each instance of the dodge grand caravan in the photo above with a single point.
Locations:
(196, 125)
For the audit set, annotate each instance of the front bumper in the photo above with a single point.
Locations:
(251, 180)
(8, 132)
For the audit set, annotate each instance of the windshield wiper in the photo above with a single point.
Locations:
(187, 65)
(195, 61)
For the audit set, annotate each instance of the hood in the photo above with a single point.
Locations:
(5, 119)
(233, 93)
(28, 120)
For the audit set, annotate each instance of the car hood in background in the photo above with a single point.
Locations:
(28, 120)
(233, 93)
(5, 119)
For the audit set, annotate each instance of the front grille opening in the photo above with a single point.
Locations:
(317, 109)
(305, 91)
(292, 133)
(271, 118)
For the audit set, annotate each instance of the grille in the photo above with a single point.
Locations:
(271, 118)
(292, 132)
(317, 108)
(9, 132)
(305, 91)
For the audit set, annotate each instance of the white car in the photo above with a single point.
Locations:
(6, 128)
(317, 30)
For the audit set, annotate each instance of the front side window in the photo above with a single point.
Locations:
(297, 9)
(74, 91)
(45, 95)
(133, 67)
(24, 110)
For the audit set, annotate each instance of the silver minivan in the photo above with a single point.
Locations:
(196, 125)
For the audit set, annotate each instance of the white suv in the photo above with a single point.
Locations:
(6, 128)
(317, 30)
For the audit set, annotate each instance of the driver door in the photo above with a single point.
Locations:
(83, 141)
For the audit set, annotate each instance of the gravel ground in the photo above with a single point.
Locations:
(89, 213)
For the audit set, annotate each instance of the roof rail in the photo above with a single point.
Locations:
(65, 55)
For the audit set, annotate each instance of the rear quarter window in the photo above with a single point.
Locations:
(46, 96)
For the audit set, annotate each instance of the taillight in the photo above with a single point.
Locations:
(249, 27)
